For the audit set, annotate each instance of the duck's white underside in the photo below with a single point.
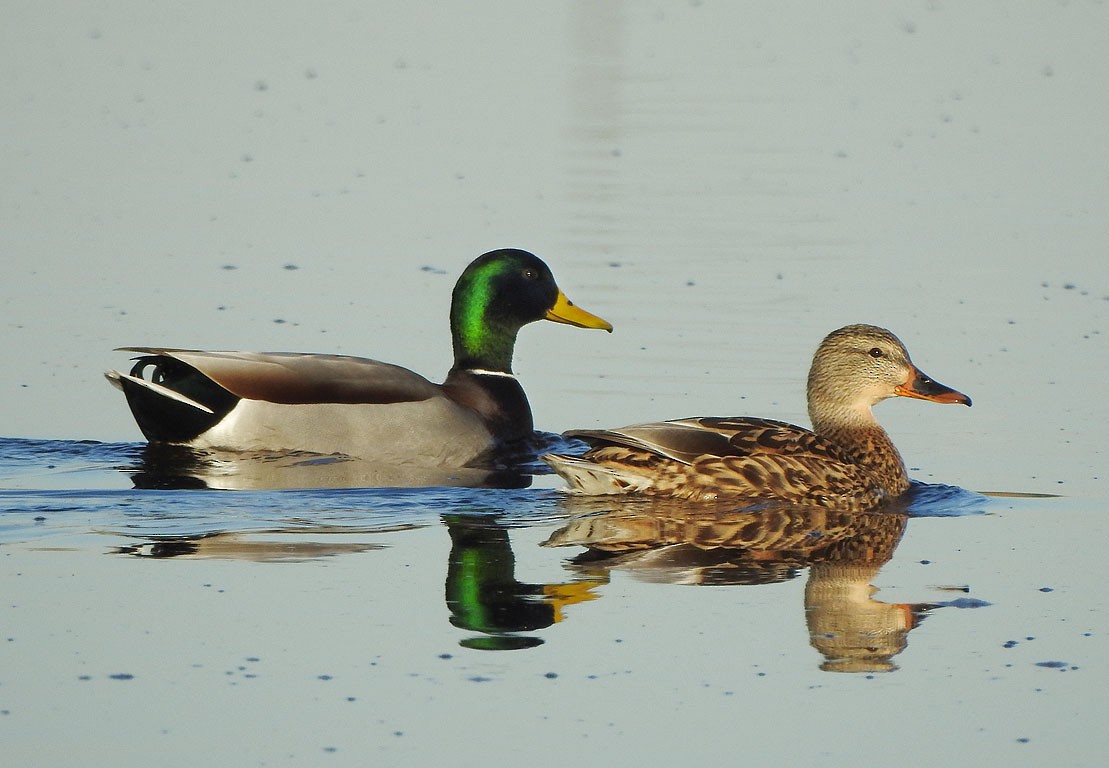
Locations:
(584, 477)
(433, 432)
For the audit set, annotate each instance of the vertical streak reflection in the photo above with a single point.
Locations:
(595, 126)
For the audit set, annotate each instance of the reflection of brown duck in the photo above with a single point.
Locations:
(853, 631)
(713, 545)
(847, 461)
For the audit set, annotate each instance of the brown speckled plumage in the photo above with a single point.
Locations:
(846, 462)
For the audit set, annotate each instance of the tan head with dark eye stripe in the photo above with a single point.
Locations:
(860, 365)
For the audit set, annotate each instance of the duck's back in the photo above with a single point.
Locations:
(294, 378)
(248, 401)
(707, 458)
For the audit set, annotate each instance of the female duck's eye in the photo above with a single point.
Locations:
(875, 352)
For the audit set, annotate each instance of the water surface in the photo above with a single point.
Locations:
(725, 183)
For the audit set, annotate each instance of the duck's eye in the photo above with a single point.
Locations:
(875, 352)
(531, 274)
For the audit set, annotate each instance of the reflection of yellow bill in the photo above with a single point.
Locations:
(562, 595)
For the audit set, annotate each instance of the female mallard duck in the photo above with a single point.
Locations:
(847, 462)
(247, 401)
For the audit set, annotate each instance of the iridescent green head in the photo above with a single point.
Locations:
(499, 293)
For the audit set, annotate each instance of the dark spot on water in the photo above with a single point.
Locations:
(433, 270)
(1023, 740)
(291, 267)
(1046, 589)
(324, 677)
(229, 267)
(122, 676)
(445, 656)
(330, 749)
(1010, 644)
(279, 320)
(84, 677)
(351, 698)
(247, 157)
(1052, 664)
(925, 562)
(551, 675)
(967, 602)
(261, 85)
(310, 74)
(480, 679)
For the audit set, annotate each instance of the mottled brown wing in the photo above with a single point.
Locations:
(809, 478)
(688, 440)
(294, 378)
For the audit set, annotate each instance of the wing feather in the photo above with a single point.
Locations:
(294, 378)
(687, 440)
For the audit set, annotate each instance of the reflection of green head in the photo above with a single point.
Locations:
(482, 592)
(499, 293)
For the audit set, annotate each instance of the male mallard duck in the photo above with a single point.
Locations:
(248, 401)
(847, 462)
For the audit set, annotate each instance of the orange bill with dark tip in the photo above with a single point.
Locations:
(924, 387)
(565, 311)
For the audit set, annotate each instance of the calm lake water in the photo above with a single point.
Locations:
(725, 183)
